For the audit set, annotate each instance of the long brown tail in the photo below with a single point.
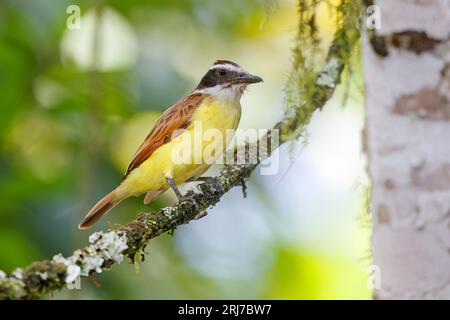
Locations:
(99, 210)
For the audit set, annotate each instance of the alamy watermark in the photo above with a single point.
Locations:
(73, 21)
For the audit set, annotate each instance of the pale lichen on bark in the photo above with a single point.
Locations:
(308, 90)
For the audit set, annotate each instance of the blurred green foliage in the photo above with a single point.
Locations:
(68, 126)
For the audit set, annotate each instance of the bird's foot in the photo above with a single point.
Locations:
(190, 196)
(200, 215)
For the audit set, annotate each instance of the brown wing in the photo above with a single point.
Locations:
(176, 117)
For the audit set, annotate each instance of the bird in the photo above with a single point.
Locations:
(213, 105)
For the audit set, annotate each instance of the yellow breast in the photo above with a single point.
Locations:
(192, 152)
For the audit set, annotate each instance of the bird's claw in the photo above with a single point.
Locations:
(217, 186)
(190, 196)
(200, 215)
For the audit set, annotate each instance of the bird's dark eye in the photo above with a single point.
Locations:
(222, 72)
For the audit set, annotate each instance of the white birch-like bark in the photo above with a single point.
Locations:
(408, 148)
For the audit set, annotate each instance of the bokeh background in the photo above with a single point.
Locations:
(76, 103)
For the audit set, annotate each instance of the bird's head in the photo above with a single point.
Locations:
(226, 77)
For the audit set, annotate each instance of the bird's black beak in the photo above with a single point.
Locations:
(248, 78)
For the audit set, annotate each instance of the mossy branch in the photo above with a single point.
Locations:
(308, 90)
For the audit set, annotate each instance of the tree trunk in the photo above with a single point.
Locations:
(407, 78)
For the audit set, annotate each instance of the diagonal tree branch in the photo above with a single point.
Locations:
(130, 240)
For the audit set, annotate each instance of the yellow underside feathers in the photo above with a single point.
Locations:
(190, 153)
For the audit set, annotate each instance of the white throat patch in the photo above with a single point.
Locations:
(225, 92)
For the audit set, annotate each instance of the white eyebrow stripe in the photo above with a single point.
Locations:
(228, 67)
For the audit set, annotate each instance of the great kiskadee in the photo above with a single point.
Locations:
(214, 104)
